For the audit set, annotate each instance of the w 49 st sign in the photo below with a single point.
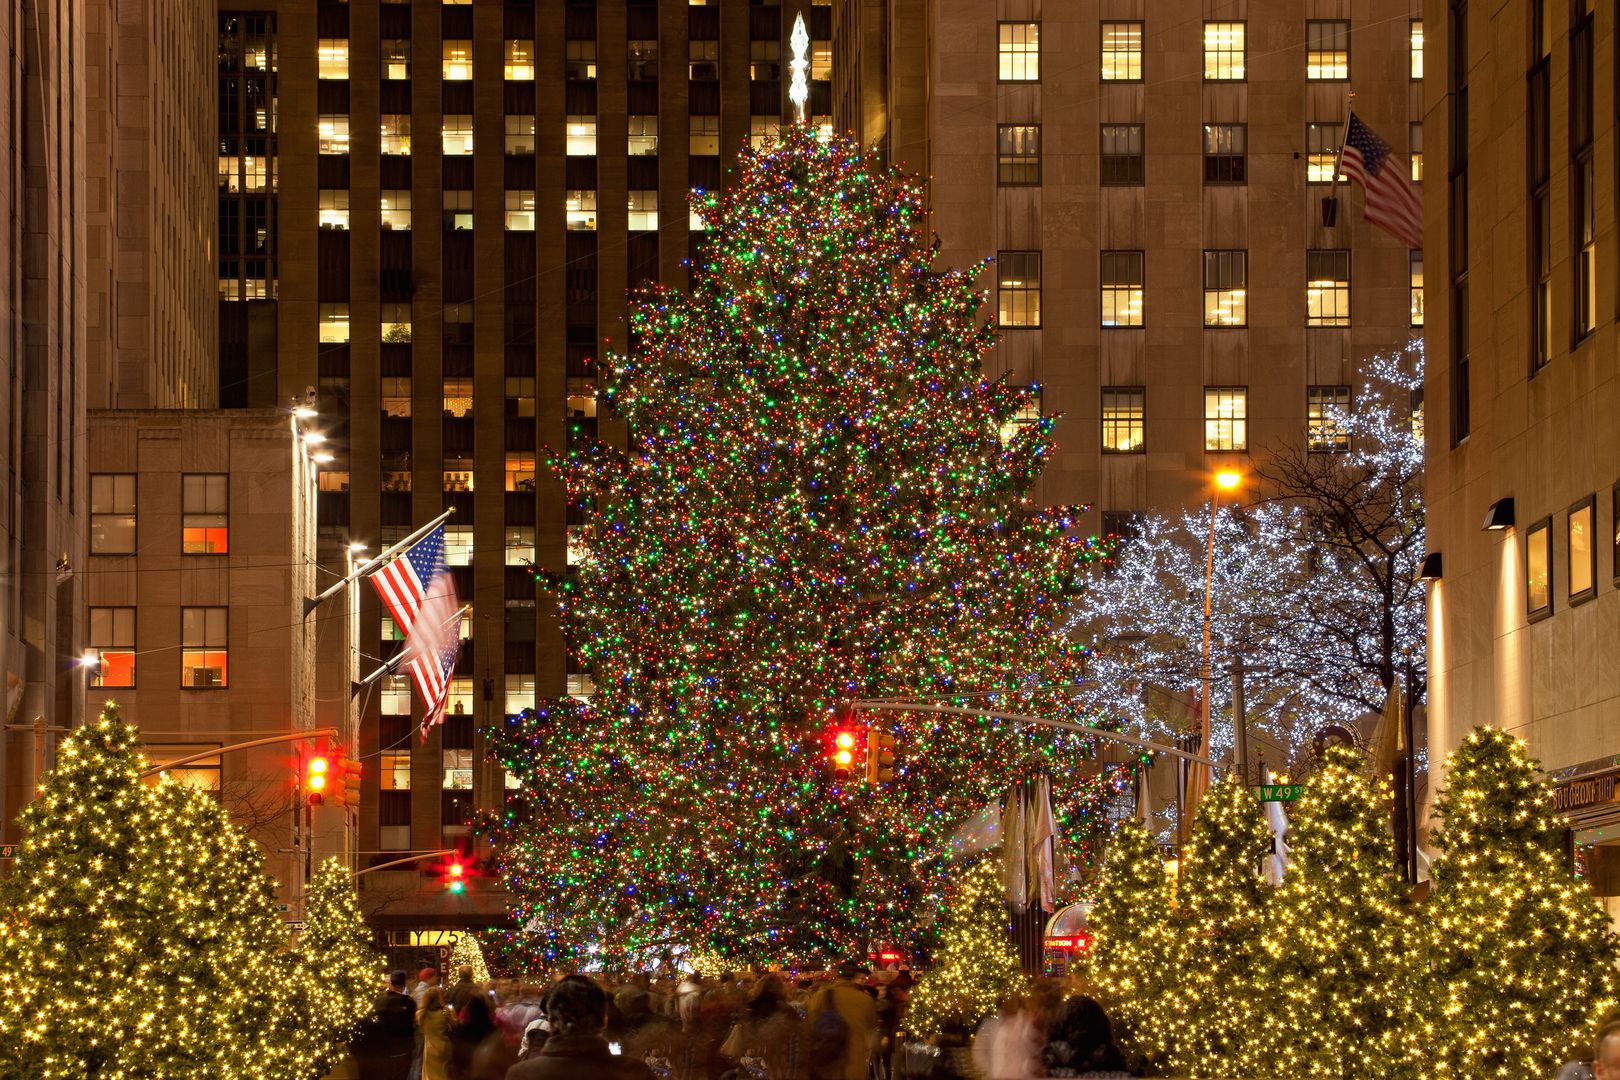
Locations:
(1279, 792)
(8, 851)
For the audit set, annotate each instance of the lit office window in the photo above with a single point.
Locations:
(458, 475)
(1226, 288)
(704, 135)
(1416, 287)
(1322, 152)
(458, 209)
(763, 131)
(520, 693)
(1121, 51)
(1414, 140)
(520, 211)
(581, 210)
(1538, 568)
(1226, 418)
(396, 58)
(1326, 411)
(396, 395)
(395, 207)
(1019, 51)
(1124, 420)
(519, 545)
(334, 324)
(579, 60)
(643, 211)
(1224, 51)
(1018, 286)
(703, 60)
(1122, 164)
(1582, 548)
(458, 545)
(1417, 49)
(332, 133)
(1018, 154)
(581, 136)
(112, 643)
(333, 208)
(203, 647)
(765, 61)
(458, 66)
(1327, 49)
(112, 514)
(643, 135)
(821, 59)
(520, 133)
(519, 60)
(396, 133)
(1327, 288)
(1122, 289)
(642, 59)
(520, 472)
(1226, 153)
(205, 514)
(458, 134)
(332, 58)
(396, 329)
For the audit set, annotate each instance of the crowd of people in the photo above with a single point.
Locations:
(847, 1025)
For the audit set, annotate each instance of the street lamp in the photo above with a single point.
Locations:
(1224, 480)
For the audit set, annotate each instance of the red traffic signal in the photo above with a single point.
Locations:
(846, 745)
(455, 876)
(317, 771)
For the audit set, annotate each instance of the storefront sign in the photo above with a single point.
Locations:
(1579, 793)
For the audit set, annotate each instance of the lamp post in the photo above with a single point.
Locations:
(1224, 480)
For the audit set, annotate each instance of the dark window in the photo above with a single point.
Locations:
(1121, 155)
(1018, 154)
(1226, 153)
(112, 514)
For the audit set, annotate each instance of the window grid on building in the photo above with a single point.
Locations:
(1416, 288)
(1122, 163)
(1122, 288)
(204, 514)
(1327, 49)
(1122, 51)
(1226, 288)
(1322, 142)
(1225, 52)
(112, 514)
(203, 647)
(1018, 154)
(112, 644)
(1226, 153)
(1019, 51)
(1018, 288)
(1414, 149)
(1326, 410)
(1226, 418)
(1327, 288)
(1124, 420)
(1415, 62)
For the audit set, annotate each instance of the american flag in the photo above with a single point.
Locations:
(1390, 200)
(421, 597)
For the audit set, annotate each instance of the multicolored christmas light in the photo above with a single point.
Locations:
(824, 499)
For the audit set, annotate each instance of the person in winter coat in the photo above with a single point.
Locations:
(576, 1050)
(1081, 1043)
(856, 1013)
(479, 1051)
(769, 1034)
(464, 990)
(384, 1045)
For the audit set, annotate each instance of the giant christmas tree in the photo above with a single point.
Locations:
(824, 498)
(1523, 957)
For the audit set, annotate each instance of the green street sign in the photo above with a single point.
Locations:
(1280, 792)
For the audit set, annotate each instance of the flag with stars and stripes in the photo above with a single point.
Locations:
(420, 596)
(1390, 199)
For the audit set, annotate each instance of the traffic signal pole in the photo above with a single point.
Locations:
(291, 736)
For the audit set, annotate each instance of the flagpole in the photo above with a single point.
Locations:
(1333, 187)
(360, 571)
(398, 658)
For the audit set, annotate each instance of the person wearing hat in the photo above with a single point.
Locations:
(426, 979)
(386, 1041)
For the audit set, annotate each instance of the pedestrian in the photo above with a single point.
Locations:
(843, 1028)
(1606, 1052)
(769, 1035)
(479, 1051)
(1082, 1043)
(577, 1011)
(386, 1041)
(1008, 1043)
(434, 1020)
(425, 980)
(463, 990)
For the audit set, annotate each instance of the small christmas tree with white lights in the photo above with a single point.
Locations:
(1335, 974)
(977, 966)
(1132, 952)
(468, 953)
(1221, 903)
(1523, 955)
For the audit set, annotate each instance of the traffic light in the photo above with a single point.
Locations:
(343, 783)
(879, 757)
(847, 745)
(316, 774)
(455, 876)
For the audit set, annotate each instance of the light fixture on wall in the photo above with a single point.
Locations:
(1500, 515)
(1429, 569)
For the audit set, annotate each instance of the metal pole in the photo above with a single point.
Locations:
(1240, 721)
(313, 602)
(294, 736)
(1409, 782)
(407, 859)
(394, 661)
